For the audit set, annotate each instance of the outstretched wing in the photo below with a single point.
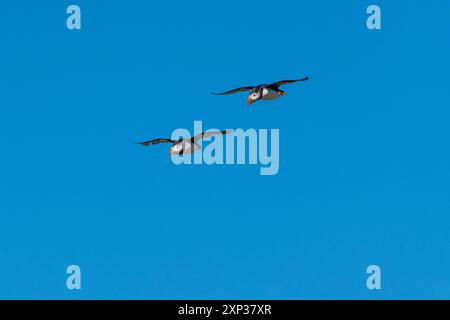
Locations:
(209, 134)
(280, 83)
(234, 91)
(155, 141)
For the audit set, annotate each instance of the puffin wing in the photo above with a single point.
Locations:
(280, 83)
(233, 91)
(209, 134)
(155, 141)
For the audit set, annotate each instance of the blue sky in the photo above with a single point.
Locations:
(364, 158)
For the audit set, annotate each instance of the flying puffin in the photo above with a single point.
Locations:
(263, 91)
(185, 145)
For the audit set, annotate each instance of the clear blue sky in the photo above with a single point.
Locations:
(364, 157)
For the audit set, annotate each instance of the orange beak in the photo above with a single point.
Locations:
(249, 100)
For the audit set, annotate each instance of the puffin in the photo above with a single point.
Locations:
(185, 145)
(263, 91)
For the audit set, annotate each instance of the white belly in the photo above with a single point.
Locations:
(269, 94)
(189, 147)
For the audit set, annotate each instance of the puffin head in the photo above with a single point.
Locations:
(253, 97)
(176, 149)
